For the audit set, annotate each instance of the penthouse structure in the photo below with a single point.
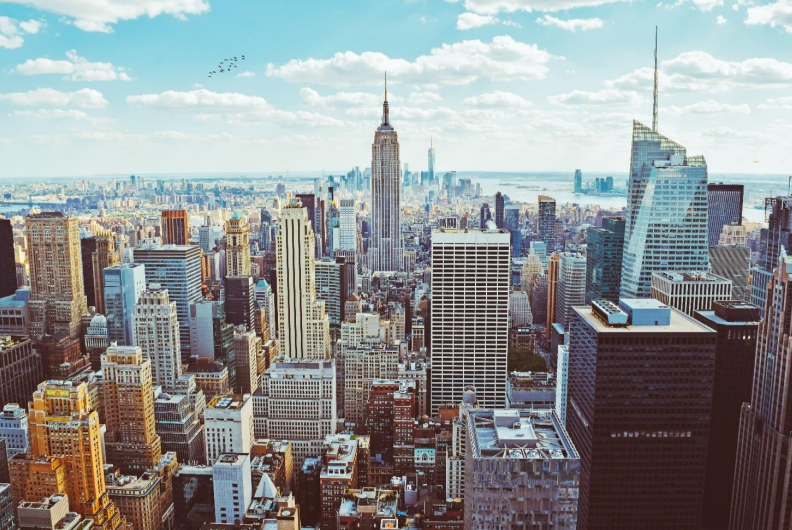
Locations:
(690, 291)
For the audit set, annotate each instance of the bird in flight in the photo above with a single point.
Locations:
(226, 65)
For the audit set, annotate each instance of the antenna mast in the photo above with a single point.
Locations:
(654, 108)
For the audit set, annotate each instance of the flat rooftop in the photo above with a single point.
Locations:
(231, 401)
(518, 434)
(679, 322)
(690, 277)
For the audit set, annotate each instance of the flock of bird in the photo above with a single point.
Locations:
(223, 67)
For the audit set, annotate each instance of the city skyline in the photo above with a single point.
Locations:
(88, 88)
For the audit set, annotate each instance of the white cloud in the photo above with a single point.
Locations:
(784, 103)
(405, 113)
(11, 31)
(75, 68)
(607, 96)
(62, 115)
(340, 99)
(493, 7)
(472, 20)
(84, 98)
(778, 13)
(708, 107)
(498, 99)
(720, 20)
(233, 107)
(708, 5)
(574, 24)
(246, 73)
(460, 63)
(701, 72)
(97, 15)
(422, 98)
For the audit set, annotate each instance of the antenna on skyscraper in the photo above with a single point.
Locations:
(654, 108)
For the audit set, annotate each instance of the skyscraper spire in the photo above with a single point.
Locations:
(654, 108)
(385, 107)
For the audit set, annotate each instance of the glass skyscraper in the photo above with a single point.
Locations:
(604, 260)
(725, 207)
(547, 222)
(666, 212)
(122, 287)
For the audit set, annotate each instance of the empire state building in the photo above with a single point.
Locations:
(386, 251)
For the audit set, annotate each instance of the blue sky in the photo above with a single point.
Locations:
(118, 86)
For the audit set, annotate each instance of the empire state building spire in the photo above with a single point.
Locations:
(385, 108)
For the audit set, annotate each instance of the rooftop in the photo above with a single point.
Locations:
(231, 459)
(678, 322)
(676, 277)
(229, 401)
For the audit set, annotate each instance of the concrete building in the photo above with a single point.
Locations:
(247, 349)
(519, 310)
(175, 227)
(363, 364)
(339, 474)
(690, 291)
(14, 429)
(734, 264)
(521, 471)
(266, 301)
(237, 249)
(211, 337)
(179, 428)
(210, 376)
(531, 390)
(470, 314)
(14, 313)
(123, 285)
(640, 388)
(102, 257)
(228, 426)
(21, 369)
(562, 383)
(50, 513)
(157, 333)
(147, 500)
(233, 487)
(571, 289)
(546, 222)
(724, 207)
(240, 301)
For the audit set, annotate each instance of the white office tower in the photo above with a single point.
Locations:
(386, 249)
(519, 310)
(266, 300)
(233, 488)
(348, 238)
(304, 329)
(157, 335)
(237, 246)
(571, 286)
(228, 425)
(666, 212)
(14, 429)
(297, 402)
(562, 378)
(471, 273)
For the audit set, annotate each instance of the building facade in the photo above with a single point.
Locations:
(604, 260)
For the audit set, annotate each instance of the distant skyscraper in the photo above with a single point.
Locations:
(304, 330)
(431, 161)
(87, 248)
(57, 299)
(578, 181)
(102, 257)
(485, 215)
(547, 222)
(8, 279)
(777, 234)
(237, 246)
(604, 260)
(175, 226)
(499, 211)
(240, 301)
(131, 439)
(760, 499)
(571, 286)
(386, 250)
(640, 389)
(553, 270)
(157, 334)
(123, 285)
(266, 300)
(479, 260)
(733, 263)
(725, 205)
(348, 232)
(514, 226)
(176, 268)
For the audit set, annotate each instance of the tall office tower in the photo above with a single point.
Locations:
(571, 286)
(175, 226)
(470, 324)
(348, 227)
(237, 245)
(499, 211)
(521, 471)
(228, 425)
(513, 225)
(553, 270)
(8, 279)
(57, 299)
(604, 260)
(63, 426)
(332, 287)
(777, 234)
(734, 264)
(666, 226)
(102, 257)
(304, 330)
(538, 298)
(210, 335)
(386, 250)
(578, 181)
(759, 497)
(240, 301)
(21, 369)
(431, 150)
(176, 268)
(724, 207)
(131, 440)
(640, 389)
(485, 214)
(157, 335)
(297, 403)
(364, 362)
(546, 222)
(207, 239)
(690, 292)
(233, 488)
(123, 285)
(737, 325)
(266, 300)
(247, 349)
(519, 310)
(87, 248)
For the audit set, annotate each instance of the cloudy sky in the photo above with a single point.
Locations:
(118, 86)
